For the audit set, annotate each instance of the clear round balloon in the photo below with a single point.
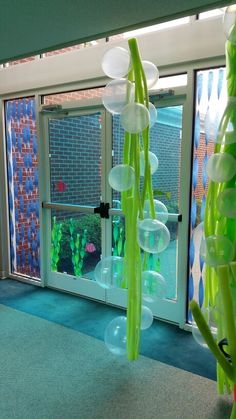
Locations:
(151, 72)
(160, 210)
(212, 121)
(153, 160)
(109, 272)
(135, 118)
(209, 316)
(216, 250)
(116, 62)
(117, 95)
(115, 336)
(228, 135)
(153, 114)
(121, 177)
(153, 236)
(198, 233)
(226, 203)
(221, 167)
(146, 318)
(153, 286)
(229, 23)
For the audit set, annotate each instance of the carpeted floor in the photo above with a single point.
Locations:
(49, 371)
(162, 342)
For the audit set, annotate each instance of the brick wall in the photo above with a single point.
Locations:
(75, 148)
(74, 95)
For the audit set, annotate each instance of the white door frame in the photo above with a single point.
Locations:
(170, 310)
(69, 283)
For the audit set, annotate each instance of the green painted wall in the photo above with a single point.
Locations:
(32, 26)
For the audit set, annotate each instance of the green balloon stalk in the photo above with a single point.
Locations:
(145, 218)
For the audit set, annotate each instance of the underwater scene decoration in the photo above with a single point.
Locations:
(23, 185)
(145, 218)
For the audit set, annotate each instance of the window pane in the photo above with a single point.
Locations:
(75, 159)
(75, 243)
(149, 29)
(75, 47)
(75, 178)
(21, 61)
(118, 232)
(165, 142)
(22, 163)
(73, 95)
(170, 81)
(158, 27)
(209, 105)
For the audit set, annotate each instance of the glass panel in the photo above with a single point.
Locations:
(165, 142)
(73, 95)
(118, 233)
(211, 13)
(75, 166)
(209, 104)
(75, 47)
(62, 50)
(163, 83)
(170, 81)
(22, 164)
(22, 60)
(75, 243)
(75, 159)
(149, 29)
(167, 262)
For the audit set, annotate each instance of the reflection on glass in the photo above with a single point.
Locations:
(166, 262)
(165, 143)
(75, 243)
(73, 95)
(75, 165)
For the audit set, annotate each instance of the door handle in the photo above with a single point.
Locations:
(103, 210)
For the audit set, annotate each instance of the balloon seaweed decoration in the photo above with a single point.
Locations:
(218, 246)
(145, 218)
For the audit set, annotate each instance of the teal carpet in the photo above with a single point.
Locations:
(49, 371)
(163, 342)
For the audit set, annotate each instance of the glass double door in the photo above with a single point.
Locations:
(79, 148)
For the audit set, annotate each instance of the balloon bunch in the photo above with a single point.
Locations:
(215, 324)
(145, 217)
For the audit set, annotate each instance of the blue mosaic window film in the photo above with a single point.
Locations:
(209, 105)
(22, 164)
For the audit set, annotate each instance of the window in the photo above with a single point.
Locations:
(23, 186)
(211, 13)
(209, 105)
